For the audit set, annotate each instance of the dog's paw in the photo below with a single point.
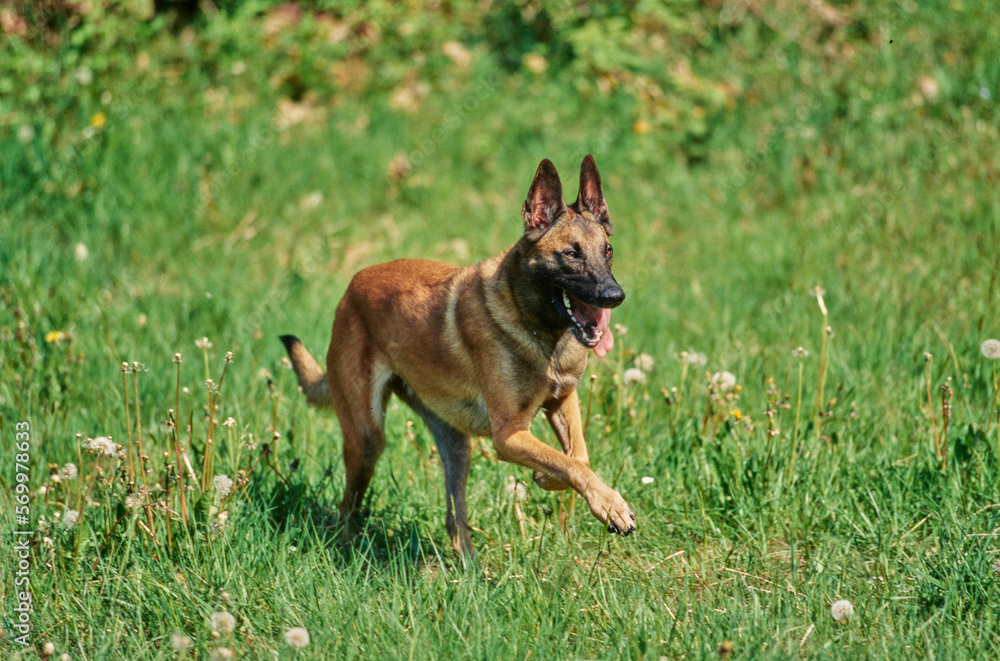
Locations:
(612, 510)
(549, 483)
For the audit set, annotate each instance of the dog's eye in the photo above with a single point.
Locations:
(570, 254)
(608, 252)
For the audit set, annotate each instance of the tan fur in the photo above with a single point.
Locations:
(476, 352)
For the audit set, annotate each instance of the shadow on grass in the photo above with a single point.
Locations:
(382, 536)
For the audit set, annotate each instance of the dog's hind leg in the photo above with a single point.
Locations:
(359, 392)
(456, 456)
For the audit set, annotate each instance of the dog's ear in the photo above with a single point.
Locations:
(591, 195)
(544, 202)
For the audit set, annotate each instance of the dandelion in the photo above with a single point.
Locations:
(695, 358)
(64, 656)
(221, 654)
(991, 349)
(229, 422)
(644, 362)
(98, 120)
(621, 330)
(297, 637)
(48, 649)
(70, 518)
(84, 76)
(799, 353)
(286, 362)
(515, 489)
(103, 445)
(80, 252)
(458, 53)
(842, 610)
(223, 622)
(26, 133)
(633, 375)
(647, 480)
(203, 343)
(725, 381)
(535, 63)
(55, 336)
(223, 484)
(180, 642)
(311, 201)
(69, 472)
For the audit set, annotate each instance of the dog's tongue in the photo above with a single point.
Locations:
(601, 318)
(607, 340)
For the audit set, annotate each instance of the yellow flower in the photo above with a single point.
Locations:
(55, 336)
(736, 413)
(98, 120)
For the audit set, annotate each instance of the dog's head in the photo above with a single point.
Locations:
(569, 254)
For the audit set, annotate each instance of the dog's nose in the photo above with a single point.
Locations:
(610, 295)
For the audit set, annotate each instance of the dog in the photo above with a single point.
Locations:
(478, 351)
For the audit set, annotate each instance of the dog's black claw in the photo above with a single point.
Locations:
(612, 528)
(631, 514)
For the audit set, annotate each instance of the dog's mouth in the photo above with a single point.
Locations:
(588, 324)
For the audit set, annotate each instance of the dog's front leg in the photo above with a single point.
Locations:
(564, 417)
(517, 445)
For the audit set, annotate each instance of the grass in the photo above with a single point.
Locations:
(824, 477)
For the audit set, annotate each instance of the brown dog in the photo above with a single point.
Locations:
(478, 350)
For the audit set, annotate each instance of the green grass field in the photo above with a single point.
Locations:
(171, 177)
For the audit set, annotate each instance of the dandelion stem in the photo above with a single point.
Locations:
(822, 362)
(930, 405)
(138, 440)
(945, 418)
(993, 404)
(680, 395)
(795, 427)
(128, 424)
(177, 443)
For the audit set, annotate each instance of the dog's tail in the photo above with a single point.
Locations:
(312, 379)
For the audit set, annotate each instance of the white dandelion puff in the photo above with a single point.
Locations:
(644, 362)
(223, 622)
(297, 637)
(633, 375)
(725, 381)
(515, 489)
(70, 518)
(991, 349)
(103, 445)
(842, 610)
(203, 343)
(69, 472)
(223, 485)
(695, 358)
(180, 642)
(647, 480)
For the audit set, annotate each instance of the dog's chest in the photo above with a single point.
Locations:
(565, 368)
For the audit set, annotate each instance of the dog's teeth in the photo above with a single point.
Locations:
(566, 301)
(600, 334)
